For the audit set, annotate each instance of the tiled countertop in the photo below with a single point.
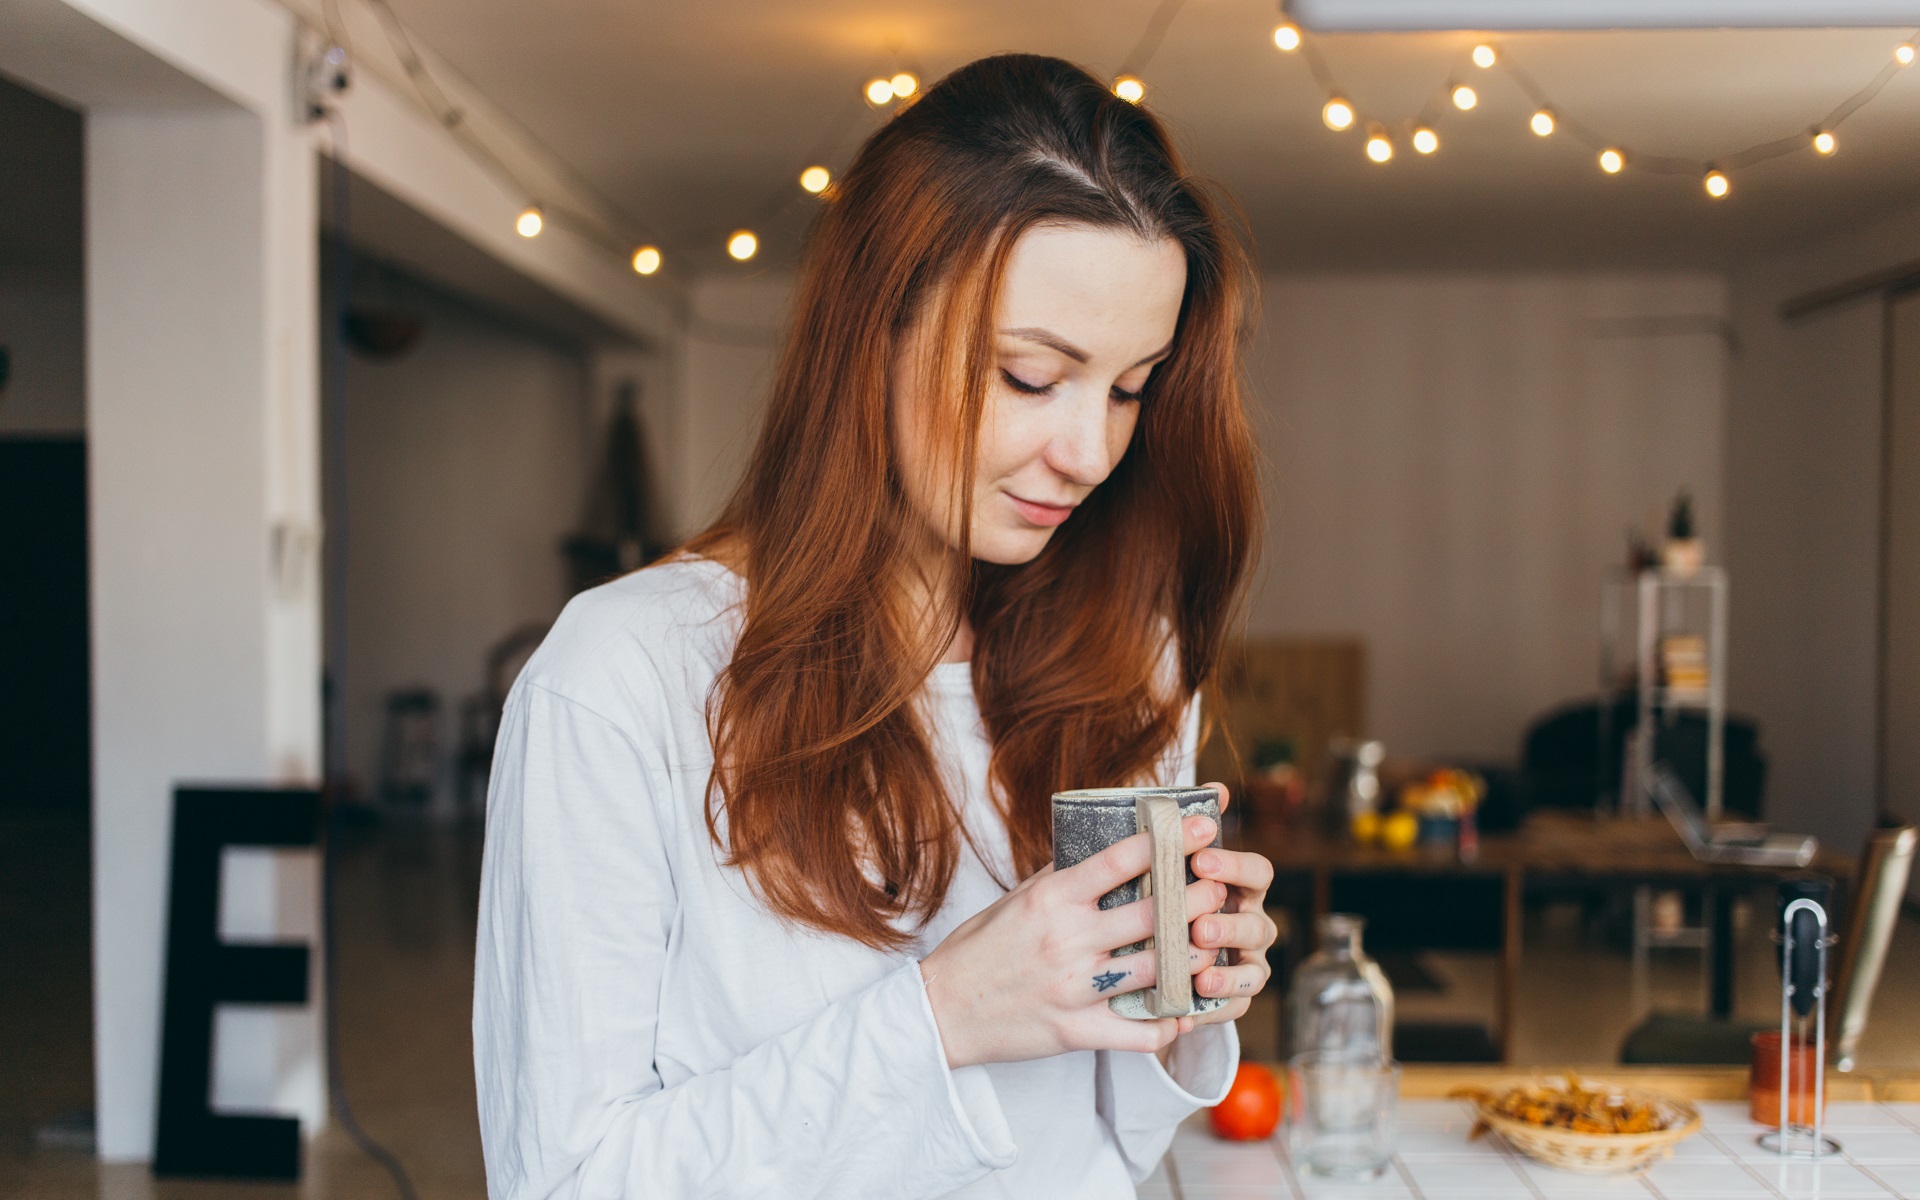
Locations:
(1880, 1158)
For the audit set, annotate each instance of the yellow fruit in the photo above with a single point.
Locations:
(1399, 830)
(1365, 827)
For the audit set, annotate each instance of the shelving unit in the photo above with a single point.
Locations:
(1661, 605)
(1664, 605)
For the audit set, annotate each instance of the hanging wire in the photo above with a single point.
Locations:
(1579, 131)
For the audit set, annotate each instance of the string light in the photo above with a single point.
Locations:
(1338, 114)
(1379, 145)
(646, 260)
(1903, 54)
(1823, 142)
(529, 223)
(1542, 123)
(1484, 56)
(1425, 140)
(905, 84)
(1716, 184)
(1286, 36)
(880, 92)
(815, 179)
(1611, 161)
(1130, 89)
(742, 245)
(1464, 97)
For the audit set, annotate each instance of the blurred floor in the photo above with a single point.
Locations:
(406, 946)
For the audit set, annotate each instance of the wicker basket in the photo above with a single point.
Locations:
(1600, 1153)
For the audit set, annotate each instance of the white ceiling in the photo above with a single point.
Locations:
(694, 119)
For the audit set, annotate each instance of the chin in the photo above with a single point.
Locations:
(1010, 547)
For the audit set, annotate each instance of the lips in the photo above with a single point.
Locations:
(1044, 515)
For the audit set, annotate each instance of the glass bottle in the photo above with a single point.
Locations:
(1340, 1002)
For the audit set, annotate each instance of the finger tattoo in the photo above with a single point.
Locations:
(1106, 981)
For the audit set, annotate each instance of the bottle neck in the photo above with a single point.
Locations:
(1340, 936)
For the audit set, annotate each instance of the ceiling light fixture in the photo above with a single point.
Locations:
(879, 92)
(1611, 161)
(1484, 56)
(1379, 145)
(1823, 142)
(1903, 54)
(529, 223)
(742, 245)
(1716, 184)
(1542, 123)
(905, 84)
(1464, 97)
(1286, 36)
(1130, 89)
(1425, 140)
(1338, 114)
(815, 179)
(646, 260)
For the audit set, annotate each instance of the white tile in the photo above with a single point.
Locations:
(1822, 1179)
(1682, 1180)
(1435, 1175)
(1556, 1184)
(1882, 1145)
(1863, 1115)
(1905, 1181)
(1447, 1114)
(1906, 1111)
(1422, 1141)
(1387, 1187)
(1701, 1146)
(1718, 1114)
(1252, 1170)
(1234, 1193)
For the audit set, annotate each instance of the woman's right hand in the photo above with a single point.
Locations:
(1029, 976)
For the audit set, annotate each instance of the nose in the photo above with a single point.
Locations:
(1077, 447)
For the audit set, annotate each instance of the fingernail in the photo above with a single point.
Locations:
(1203, 826)
(1206, 862)
(1209, 930)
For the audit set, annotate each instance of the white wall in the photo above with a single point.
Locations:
(1803, 488)
(42, 325)
(729, 356)
(1452, 463)
(469, 460)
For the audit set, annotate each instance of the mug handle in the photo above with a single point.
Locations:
(1166, 884)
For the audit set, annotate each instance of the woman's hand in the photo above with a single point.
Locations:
(1029, 976)
(1240, 926)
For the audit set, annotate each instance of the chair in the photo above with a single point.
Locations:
(1879, 888)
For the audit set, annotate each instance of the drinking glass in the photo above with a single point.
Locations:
(1340, 1114)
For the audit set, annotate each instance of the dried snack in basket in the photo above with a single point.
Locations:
(1578, 1108)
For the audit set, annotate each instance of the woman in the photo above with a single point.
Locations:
(766, 908)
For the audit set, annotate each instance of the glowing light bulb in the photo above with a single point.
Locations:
(1484, 56)
(815, 179)
(1287, 36)
(1425, 140)
(1379, 146)
(1611, 161)
(646, 260)
(1130, 89)
(1464, 97)
(879, 92)
(1903, 54)
(1716, 184)
(742, 245)
(529, 223)
(1338, 114)
(1823, 142)
(905, 84)
(1542, 123)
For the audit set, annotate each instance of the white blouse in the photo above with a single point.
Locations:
(644, 1027)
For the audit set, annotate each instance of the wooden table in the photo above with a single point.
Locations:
(1552, 851)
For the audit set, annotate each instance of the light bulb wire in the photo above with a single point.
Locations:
(1580, 132)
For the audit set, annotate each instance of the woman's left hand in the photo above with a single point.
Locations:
(1241, 927)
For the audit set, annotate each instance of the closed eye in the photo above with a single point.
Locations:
(1022, 386)
(1127, 397)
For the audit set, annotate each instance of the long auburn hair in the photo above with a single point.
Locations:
(825, 790)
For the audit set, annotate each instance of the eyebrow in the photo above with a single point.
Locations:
(1053, 341)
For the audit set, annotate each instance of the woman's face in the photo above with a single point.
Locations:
(1082, 316)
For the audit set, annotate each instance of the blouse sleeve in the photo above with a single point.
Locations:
(577, 907)
(1140, 1100)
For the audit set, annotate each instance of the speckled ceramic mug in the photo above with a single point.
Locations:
(1087, 822)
